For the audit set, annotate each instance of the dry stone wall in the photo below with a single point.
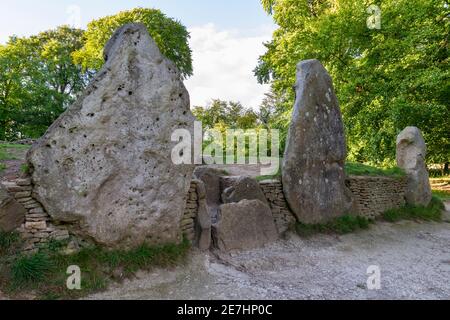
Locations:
(38, 228)
(372, 197)
(190, 213)
(375, 195)
(273, 190)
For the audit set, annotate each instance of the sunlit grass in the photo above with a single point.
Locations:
(359, 169)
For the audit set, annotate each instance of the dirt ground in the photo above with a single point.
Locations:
(413, 258)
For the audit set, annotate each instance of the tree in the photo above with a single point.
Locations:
(38, 80)
(170, 36)
(386, 79)
(226, 115)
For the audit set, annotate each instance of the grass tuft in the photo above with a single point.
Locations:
(8, 241)
(433, 212)
(30, 269)
(342, 225)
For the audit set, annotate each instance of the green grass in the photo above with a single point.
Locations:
(27, 270)
(359, 169)
(342, 225)
(14, 146)
(433, 212)
(442, 195)
(45, 272)
(355, 169)
(2, 167)
(7, 151)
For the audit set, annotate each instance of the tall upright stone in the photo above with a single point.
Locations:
(104, 168)
(313, 168)
(411, 153)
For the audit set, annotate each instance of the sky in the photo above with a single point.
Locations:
(227, 37)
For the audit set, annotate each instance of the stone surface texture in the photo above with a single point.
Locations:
(242, 188)
(12, 213)
(245, 225)
(104, 167)
(313, 169)
(411, 154)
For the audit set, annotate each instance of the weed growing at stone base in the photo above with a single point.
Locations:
(2, 167)
(431, 213)
(359, 169)
(342, 225)
(25, 168)
(45, 272)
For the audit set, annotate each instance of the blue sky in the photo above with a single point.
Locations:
(227, 36)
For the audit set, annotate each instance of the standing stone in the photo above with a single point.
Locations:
(411, 153)
(104, 167)
(12, 213)
(313, 168)
(245, 225)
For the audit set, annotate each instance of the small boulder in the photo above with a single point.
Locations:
(243, 188)
(245, 225)
(411, 153)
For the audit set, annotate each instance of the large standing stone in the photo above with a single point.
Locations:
(104, 167)
(245, 225)
(411, 153)
(313, 168)
(12, 213)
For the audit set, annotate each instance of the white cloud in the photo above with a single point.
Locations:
(223, 65)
